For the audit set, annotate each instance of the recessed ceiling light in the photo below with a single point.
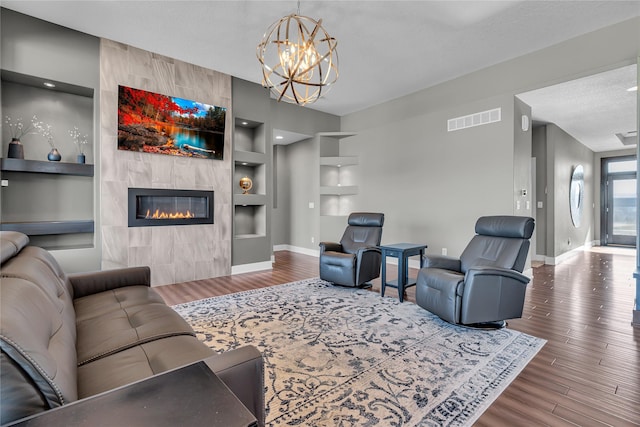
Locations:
(245, 123)
(632, 89)
(279, 137)
(244, 163)
(49, 84)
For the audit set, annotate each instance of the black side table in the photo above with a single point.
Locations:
(189, 396)
(402, 251)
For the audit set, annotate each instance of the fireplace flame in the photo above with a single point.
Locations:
(168, 215)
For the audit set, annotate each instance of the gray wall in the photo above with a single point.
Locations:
(432, 184)
(557, 153)
(33, 47)
(251, 102)
(426, 179)
(539, 151)
(564, 153)
(294, 168)
(303, 183)
(281, 215)
(298, 175)
(174, 253)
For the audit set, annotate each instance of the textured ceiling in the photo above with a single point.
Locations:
(387, 49)
(591, 109)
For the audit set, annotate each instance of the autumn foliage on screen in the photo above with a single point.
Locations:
(156, 123)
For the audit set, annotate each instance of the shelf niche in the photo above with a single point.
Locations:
(257, 174)
(338, 184)
(249, 221)
(52, 202)
(249, 136)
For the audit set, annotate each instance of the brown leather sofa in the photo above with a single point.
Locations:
(69, 337)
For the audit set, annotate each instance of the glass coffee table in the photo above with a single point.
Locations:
(402, 251)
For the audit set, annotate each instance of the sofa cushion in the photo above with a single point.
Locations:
(125, 324)
(97, 305)
(139, 362)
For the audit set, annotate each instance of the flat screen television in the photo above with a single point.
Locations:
(154, 123)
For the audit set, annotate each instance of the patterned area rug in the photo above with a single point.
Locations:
(347, 357)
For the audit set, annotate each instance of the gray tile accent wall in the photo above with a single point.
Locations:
(174, 253)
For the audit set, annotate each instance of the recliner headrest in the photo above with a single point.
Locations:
(366, 219)
(505, 226)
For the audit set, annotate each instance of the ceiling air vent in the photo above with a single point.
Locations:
(477, 119)
(628, 138)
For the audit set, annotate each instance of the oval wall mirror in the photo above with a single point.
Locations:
(576, 195)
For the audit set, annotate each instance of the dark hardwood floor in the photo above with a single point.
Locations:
(588, 373)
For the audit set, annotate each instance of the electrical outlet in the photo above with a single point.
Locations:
(444, 251)
(313, 240)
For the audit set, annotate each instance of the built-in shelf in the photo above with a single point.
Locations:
(337, 135)
(41, 228)
(338, 161)
(250, 199)
(338, 178)
(338, 190)
(250, 158)
(37, 166)
(248, 236)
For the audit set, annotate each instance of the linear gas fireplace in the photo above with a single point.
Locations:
(157, 207)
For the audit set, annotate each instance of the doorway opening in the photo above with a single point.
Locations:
(619, 203)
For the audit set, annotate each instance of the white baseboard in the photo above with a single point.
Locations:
(250, 268)
(297, 249)
(570, 254)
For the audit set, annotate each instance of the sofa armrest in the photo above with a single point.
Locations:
(330, 247)
(99, 281)
(441, 261)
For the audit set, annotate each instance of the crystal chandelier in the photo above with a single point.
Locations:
(299, 59)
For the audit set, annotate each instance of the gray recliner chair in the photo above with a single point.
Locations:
(356, 259)
(485, 286)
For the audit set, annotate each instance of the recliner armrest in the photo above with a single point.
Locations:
(495, 271)
(366, 252)
(99, 281)
(330, 247)
(365, 249)
(441, 261)
(492, 294)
